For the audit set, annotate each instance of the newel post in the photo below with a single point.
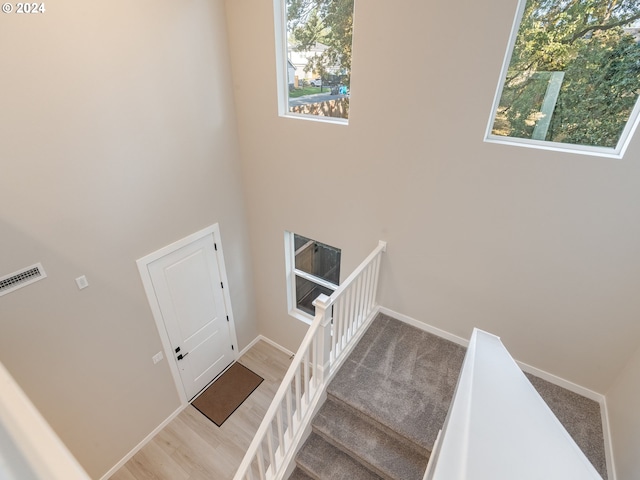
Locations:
(323, 310)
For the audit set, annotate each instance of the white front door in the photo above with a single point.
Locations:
(188, 288)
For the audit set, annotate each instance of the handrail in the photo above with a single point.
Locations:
(339, 322)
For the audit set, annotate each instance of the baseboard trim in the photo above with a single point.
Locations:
(248, 347)
(424, 326)
(587, 393)
(165, 422)
(561, 382)
(549, 377)
(267, 340)
(146, 440)
(608, 443)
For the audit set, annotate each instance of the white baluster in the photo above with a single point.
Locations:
(307, 382)
(272, 457)
(325, 345)
(260, 463)
(289, 414)
(280, 429)
(298, 395)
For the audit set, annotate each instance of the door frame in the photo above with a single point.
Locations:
(143, 267)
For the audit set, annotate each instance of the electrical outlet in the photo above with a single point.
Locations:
(157, 357)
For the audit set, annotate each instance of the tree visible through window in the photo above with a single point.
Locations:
(574, 73)
(319, 39)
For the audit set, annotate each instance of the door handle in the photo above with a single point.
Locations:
(181, 356)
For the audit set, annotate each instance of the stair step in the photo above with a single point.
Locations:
(298, 474)
(402, 377)
(322, 461)
(369, 443)
(400, 381)
(407, 443)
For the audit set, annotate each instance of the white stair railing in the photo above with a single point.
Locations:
(339, 322)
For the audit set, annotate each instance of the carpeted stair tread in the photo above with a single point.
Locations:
(298, 474)
(407, 443)
(369, 444)
(322, 461)
(581, 418)
(401, 380)
(402, 377)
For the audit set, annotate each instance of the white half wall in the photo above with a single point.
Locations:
(623, 401)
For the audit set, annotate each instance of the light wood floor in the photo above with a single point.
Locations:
(192, 447)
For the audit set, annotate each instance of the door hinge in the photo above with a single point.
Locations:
(221, 284)
(227, 318)
(215, 246)
(232, 347)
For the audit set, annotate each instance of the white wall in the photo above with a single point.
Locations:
(117, 137)
(623, 405)
(540, 248)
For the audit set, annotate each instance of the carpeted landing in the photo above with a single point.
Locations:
(387, 403)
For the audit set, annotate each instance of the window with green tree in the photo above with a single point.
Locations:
(315, 49)
(573, 76)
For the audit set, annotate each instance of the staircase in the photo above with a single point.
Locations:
(388, 389)
(384, 407)
(390, 398)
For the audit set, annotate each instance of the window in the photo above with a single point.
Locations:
(312, 268)
(571, 77)
(314, 57)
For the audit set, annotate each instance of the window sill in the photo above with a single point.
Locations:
(302, 316)
(315, 118)
(558, 147)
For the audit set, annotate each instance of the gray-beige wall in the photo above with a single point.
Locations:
(539, 247)
(623, 402)
(117, 137)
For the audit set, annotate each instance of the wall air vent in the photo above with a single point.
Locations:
(22, 278)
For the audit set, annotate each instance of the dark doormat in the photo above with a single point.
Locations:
(227, 393)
